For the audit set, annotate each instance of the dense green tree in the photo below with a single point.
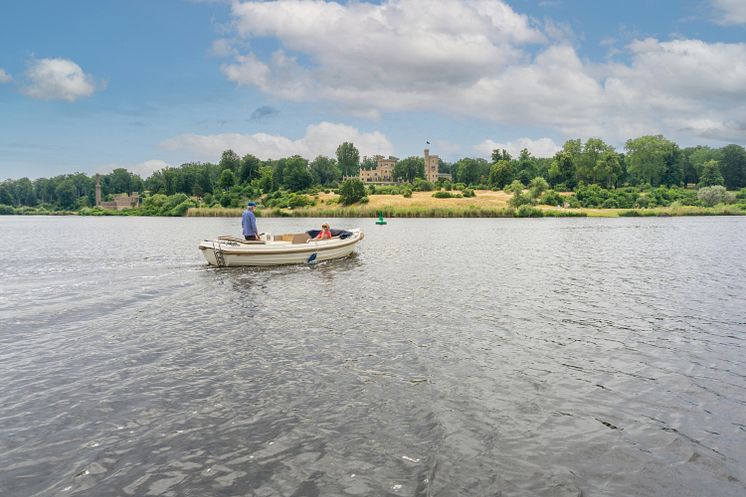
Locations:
(227, 179)
(325, 170)
(6, 195)
(297, 176)
(410, 168)
(647, 158)
(230, 160)
(66, 194)
(537, 186)
(500, 154)
(673, 174)
(348, 159)
(471, 171)
(249, 168)
(710, 174)
(524, 167)
(699, 155)
(733, 166)
(266, 182)
(351, 191)
(501, 174)
(608, 168)
(24, 192)
(562, 169)
(368, 163)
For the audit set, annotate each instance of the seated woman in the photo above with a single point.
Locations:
(325, 233)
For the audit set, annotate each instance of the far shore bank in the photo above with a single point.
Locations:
(486, 203)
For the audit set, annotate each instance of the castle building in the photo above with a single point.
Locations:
(382, 173)
(120, 202)
(431, 166)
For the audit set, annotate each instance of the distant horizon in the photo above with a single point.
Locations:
(91, 87)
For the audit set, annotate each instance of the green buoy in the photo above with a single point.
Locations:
(380, 218)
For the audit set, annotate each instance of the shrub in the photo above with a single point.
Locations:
(610, 203)
(351, 191)
(421, 185)
(520, 199)
(443, 195)
(364, 200)
(526, 210)
(6, 210)
(551, 197)
(713, 195)
(515, 187)
(468, 192)
(538, 186)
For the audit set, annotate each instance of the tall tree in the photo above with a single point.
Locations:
(6, 194)
(470, 171)
(230, 160)
(647, 158)
(733, 166)
(66, 194)
(410, 168)
(249, 168)
(501, 174)
(297, 176)
(524, 167)
(608, 168)
(227, 179)
(325, 170)
(500, 154)
(710, 174)
(24, 192)
(562, 170)
(348, 159)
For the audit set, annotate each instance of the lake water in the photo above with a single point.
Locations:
(475, 357)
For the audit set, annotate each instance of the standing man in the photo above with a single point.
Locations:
(248, 222)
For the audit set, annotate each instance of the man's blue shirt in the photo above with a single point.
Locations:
(248, 222)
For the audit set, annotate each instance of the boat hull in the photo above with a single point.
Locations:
(228, 254)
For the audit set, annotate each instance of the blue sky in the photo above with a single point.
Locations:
(92, 85)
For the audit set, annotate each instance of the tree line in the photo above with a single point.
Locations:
(648, 160)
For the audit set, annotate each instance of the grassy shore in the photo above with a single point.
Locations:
(486, 204)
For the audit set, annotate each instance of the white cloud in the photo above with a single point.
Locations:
(58, 79)
(319, 139)
(4, 76)
(472, 59)
(543, 147)
(730, 11)
(143, 169)
(222, 48)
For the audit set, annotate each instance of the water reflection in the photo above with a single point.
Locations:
(447, 357)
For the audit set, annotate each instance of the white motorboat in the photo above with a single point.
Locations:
(270, 250)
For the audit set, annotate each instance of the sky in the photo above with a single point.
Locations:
(92, 85)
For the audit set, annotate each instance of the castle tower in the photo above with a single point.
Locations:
(431, 166)
(98, 190)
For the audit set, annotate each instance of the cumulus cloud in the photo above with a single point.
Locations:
(542, 147)
(319, 139)
(730, 11)
(4, 76)
(143, 169)
(479, 59)
(58, 79)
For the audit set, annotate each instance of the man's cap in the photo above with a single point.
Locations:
(251, 204)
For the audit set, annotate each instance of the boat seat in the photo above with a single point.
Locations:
(235, 239)
(294, 238)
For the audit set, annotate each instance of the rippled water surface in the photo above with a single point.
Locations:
(447, 357)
